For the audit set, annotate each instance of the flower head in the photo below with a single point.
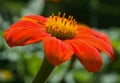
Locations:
(62, 38)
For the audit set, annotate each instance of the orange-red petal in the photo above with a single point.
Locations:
(87, 30)
(98, 43)
(24, 32)
(40, 20)
(87, 55)
(56, 51)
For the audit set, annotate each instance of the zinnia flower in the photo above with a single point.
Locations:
(62, 38)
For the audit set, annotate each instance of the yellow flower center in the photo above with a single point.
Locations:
(60, 27)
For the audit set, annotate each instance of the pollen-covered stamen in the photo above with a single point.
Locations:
(60, 27)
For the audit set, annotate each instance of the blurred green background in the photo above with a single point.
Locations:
(20, 64)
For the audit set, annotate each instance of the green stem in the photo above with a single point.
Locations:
(43, 73)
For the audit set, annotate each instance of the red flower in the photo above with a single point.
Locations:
(61, 38)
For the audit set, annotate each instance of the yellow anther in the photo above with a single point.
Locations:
(64, 15)
(59, 14)
(52, 14)
(61, 27)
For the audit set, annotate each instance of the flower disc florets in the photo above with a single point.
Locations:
(61, 27)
